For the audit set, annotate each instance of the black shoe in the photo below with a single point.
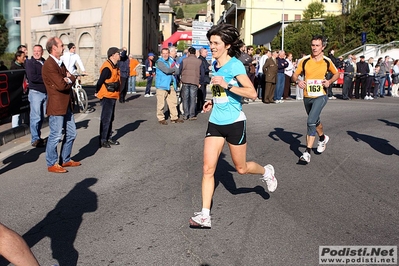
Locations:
(40, 143)
(105, 144)
(113, 142)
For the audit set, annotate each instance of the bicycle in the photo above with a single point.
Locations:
(79, 95)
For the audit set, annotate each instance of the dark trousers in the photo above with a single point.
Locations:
(347, 87)
(189, 99)
(261, 86)
(287, 87)
(268, 94)
(369, 83)
(201, 96)
(123, 91)
(107, 117)
(329, 89)
(149, 84)
(388, 78)
(361, 81)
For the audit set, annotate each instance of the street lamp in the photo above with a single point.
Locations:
(282, 29)
(235, 21)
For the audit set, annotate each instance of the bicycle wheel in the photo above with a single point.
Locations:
(82, 100)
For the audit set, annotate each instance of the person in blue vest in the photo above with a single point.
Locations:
(165, 83)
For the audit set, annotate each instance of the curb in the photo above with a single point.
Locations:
(14, 133)
(17, 132)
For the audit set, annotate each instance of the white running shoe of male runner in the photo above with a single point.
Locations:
(305, 157)
(321, 145)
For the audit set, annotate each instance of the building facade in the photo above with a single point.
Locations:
(93, 26)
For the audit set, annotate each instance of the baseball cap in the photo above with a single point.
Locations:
(151, 54)
(113, 50)
(362, 56)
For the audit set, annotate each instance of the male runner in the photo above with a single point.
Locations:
(314, 68)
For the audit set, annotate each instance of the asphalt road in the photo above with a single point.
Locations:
(130, 205)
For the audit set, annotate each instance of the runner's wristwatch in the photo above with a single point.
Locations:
(229, 86)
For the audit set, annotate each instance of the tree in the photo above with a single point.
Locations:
(314, 10)
(180, 13)
(3, 35)
(297, 37)
(344, 31)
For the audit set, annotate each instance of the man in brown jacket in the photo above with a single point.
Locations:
(58, 82)
(270, 70)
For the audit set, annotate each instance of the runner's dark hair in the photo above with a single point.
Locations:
(229, 35)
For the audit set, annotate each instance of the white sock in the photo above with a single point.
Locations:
(206, 212)
(267, 172)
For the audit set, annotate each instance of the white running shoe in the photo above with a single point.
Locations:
(200, 221)
(367, 98)
(321, 145)
(147, 95)
(371, 98)
(270, 179)
(305, 157)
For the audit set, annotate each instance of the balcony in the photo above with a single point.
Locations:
(55, 7)
(16, 14)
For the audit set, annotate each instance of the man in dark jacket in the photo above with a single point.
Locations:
(362, 69)
(37, 95)
(124, 68)
(204, 79)
(349, 67)
(149, 73)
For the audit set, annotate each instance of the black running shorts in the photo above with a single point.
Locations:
(233, 133)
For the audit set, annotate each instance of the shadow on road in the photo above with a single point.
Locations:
(127, 128)
(378, 144)
(82, 124)
(389, 123)
(61, 224)
(223, 175)
(290, 138)
(88, 150)
(20, 158)
(133, 97)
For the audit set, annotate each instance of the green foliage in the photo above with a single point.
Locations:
(7, 58)
(180, 13)
(3, 34)
(314, 10)
(297, 37)
(181, 45)
(191, 10)
(344, 31)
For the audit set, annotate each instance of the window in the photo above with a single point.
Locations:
(164, 18)
(297, 17)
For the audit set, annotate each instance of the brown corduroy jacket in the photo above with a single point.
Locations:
(58, 90)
